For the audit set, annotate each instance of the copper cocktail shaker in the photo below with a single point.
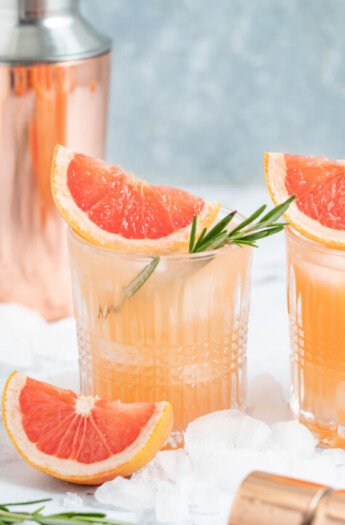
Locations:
(54, 77)
(268, 499)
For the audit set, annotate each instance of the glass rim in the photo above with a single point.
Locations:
(301, 239)
(87, 245)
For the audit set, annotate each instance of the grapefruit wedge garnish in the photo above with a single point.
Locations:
(318, 211)
(113, 209)
(81, 439)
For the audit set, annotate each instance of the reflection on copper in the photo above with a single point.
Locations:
(40, 106)
(268, 499)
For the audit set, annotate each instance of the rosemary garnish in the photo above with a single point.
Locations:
(64, 518)
(132, 287)
(246, 233)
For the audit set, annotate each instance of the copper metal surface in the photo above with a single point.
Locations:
(267, 499)
(331, 509)
(40, 106)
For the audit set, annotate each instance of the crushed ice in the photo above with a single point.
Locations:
(196, 485)
(72, 500)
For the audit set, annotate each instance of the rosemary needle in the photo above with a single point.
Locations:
(64, 518)
(246, 233)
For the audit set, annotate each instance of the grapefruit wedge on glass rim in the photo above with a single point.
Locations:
(81, 439)
(113, 209)
(318, 212)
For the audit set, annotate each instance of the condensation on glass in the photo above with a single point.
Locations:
(182, 337)
(316, 304)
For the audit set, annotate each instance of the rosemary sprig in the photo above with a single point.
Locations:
(64, 518)
(246, 233)
(132, 287)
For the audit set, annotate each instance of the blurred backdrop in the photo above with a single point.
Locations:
(200, 89)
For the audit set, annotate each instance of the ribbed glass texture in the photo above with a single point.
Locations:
(181, 337)
(316, 304)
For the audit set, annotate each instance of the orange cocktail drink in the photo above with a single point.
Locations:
(161, 287)
(316, 287)
(316, 303)
(181, 337)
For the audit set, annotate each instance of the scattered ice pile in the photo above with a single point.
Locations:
(196, 485)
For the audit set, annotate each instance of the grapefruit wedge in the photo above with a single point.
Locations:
(318, 212)
(113, 209)
(81, 439)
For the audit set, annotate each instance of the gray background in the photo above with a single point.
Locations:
(201, 88)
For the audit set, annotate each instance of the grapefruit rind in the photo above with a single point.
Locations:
(150, 440)
(80, 222)
(275, 174)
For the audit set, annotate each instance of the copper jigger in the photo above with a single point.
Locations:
(54, 77)
(268, 499)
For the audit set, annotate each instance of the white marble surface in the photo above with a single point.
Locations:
(49, 352)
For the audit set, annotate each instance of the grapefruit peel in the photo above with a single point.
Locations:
(275, 174)
(150, 440)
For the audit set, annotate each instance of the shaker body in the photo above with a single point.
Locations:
(41, 105)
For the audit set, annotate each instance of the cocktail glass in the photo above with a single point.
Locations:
(181, 337)
(316, 304)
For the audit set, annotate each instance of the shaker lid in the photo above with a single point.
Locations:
(34, 31)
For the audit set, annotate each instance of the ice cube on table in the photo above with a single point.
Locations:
(266, 400)
(317, 469)
(226, 469)
(335, 457)
(72, 500)
(171, 461)
(186, 478)
(151, 473)
(293, 439)
(270, 413)
(178, 468)
(128, 494)
(253, 434)
(224, 430)
(210, 499)
(264, 389)
(214, 431)
(171, 505)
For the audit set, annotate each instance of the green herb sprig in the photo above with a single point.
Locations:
(64, 518)
(246, 233)
(132, 287)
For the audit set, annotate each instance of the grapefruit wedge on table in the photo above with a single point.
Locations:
(81, 439)
(111, 208)
(318, 211)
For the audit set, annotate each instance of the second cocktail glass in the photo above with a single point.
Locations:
(316, 303)
(181, 337)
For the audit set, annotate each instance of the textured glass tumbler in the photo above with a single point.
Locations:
(181, 337)
(316, 304)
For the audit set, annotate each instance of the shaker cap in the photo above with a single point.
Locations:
(268, 499)
(34, 31)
